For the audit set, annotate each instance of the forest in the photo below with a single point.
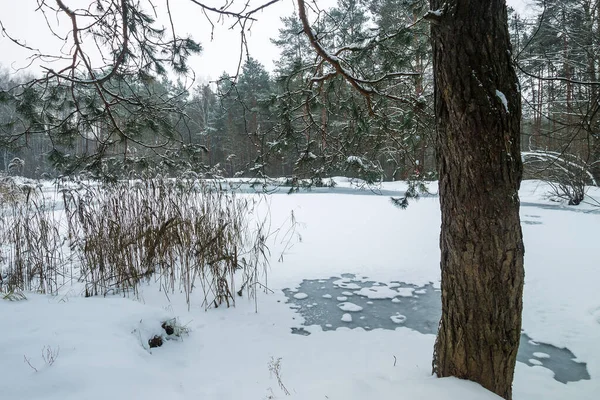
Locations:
(301, 121)
(276, 208)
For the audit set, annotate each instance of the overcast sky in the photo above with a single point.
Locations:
(221, 54)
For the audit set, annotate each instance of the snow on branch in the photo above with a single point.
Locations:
(330, 58)
(435, 16)
(363, 86)
(559, 160)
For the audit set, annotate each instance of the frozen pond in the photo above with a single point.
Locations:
(356, 302)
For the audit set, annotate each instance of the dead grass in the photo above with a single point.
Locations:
(32, 254)
(186, 235)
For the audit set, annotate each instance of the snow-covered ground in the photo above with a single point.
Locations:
(99, 345)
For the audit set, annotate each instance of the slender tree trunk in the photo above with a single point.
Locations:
(592, 15)
(478, 112)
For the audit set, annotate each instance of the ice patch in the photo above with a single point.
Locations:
(596, 312)
(406, 292)
(300, 296)
(396, 300)
(541, 355)
(350, 307)
(347, 318)
(346, 284)
(347, 293)
(535, 362)
(326, 296)
(341, 298)
(421, 291)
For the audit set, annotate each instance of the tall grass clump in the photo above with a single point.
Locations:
(183, 234)
(32, 249)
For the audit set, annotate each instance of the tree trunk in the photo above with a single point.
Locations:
(478, 112)
(592, 17)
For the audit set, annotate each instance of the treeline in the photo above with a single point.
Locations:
(558, 58)
(369, 117)
(300, 120)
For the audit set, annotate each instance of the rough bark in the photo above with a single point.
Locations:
(480, 172)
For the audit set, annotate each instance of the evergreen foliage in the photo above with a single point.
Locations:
(304, 120)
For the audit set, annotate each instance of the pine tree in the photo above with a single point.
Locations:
(478, 113)
(112, 99)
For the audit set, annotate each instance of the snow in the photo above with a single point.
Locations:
(502, 98)
(101, 343)
(326, 296)
(541, 355)
(398, 319)
(355, 160)
(300, 296)
(350, 307)
(377, 292)
(341, 298)
(535, 362)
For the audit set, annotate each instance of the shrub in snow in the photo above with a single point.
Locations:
(155, 341)
(566, 174)
(9, 190)
(174, 329)
(275, 370)
(13, 296)
(16, 165)
(49, 355)
(185, 233)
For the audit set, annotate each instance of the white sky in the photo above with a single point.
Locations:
(221, 54)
